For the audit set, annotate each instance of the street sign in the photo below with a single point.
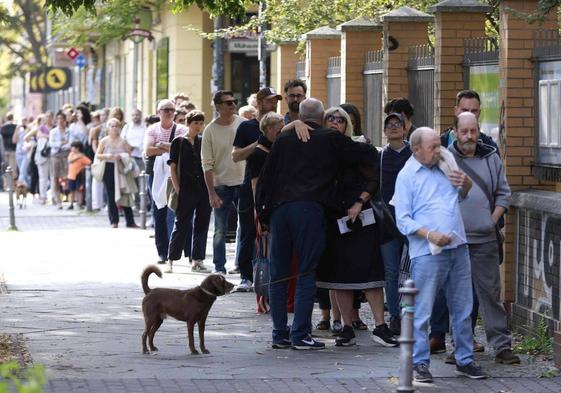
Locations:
(50, 79)
(80, 60)
(72, 53)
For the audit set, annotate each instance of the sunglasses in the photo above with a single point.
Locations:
(230, 102)
(168, 110)
(336, 119)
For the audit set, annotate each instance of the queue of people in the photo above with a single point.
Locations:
(304, 184)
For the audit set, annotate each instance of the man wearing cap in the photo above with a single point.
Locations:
(157, 141)
(392, 159)
(247, 135)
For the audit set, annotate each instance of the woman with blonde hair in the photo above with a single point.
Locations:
(119, 173)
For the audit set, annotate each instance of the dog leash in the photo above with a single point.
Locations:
(286, 279)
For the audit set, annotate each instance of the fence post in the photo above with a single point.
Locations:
(88, 188)
(406, 339)
(9, 178)
(142, 194)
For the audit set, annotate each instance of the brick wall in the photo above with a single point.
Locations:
(451, 29)
(318, 51)
(286, 69)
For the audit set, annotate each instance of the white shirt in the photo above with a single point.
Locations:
(134, 135)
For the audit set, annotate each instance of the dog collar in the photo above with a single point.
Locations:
(207, 292)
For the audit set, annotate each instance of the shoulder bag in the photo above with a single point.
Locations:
(384, 217)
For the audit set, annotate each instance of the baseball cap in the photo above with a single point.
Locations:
(267, 92)
(396, 115)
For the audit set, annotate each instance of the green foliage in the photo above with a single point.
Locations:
(109, 22)
(29, 380)
(538, 342)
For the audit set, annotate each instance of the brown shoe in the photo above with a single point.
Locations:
(477, 347)
(437, 346)
(507, 357)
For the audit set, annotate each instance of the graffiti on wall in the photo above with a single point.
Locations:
(539, 257)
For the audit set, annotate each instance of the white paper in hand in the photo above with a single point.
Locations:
(366, 218)
(455, 241)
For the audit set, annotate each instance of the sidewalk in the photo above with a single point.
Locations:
(75, 295)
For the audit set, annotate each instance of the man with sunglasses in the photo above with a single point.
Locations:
(223, 176)
(295, 92)
(157, 142)
(244, 144)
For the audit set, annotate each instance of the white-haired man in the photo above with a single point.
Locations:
(427, 211)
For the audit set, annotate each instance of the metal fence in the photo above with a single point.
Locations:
(333, 76)
(373, 106)
(421, 84)
(301, 70)
(479, 52)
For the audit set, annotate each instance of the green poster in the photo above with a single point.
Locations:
(484, 79)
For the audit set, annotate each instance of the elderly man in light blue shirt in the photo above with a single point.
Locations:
(427, 211)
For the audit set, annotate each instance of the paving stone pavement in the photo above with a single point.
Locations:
(74, 293)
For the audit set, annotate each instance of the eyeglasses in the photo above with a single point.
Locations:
(336, 119)
(295, 96)
(230, 102)
(168, 110)
(394, 126)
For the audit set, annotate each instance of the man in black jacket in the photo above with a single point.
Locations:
(296, 185)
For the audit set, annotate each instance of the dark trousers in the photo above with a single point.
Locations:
(109, 182)
(246, 246)
(189, 233)
(163, 224)
(296, 226)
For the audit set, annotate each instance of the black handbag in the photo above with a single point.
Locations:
(46, 150)
(384, 217)
(261, 269)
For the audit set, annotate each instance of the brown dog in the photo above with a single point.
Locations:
(21, 195)
(191, 306)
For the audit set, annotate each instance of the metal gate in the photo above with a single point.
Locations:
(373, 105)
(333, 76)
(421, 84)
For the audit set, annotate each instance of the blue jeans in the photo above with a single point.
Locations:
(163, 225)
(296, 226)
(391, 254)
(23, 164)
(228, 195)
(450, 270)
(246, 243)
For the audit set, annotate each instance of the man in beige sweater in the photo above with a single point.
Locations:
(223, 176)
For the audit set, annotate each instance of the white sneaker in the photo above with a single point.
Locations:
(199, 267)
(245, 286)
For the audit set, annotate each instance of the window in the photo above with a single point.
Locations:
(549, 115)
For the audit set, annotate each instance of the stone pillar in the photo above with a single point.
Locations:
(359, 36)
(403, 28)
(286, 69)
(321, 44)
(456, 20)
(517, 94)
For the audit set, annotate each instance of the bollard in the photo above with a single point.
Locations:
(9, 178)
(89, 188)
(406, 339)
(142, 194)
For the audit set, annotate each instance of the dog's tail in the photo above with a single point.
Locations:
(144, 278)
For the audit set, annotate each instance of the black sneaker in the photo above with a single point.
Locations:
(307, 344)
(395, 325)
(346, 338)
(336, 327)
(382, 335)
(422, 373)
(283, 343)
(471, 371)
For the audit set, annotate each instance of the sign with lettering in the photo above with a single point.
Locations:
(248, 46)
